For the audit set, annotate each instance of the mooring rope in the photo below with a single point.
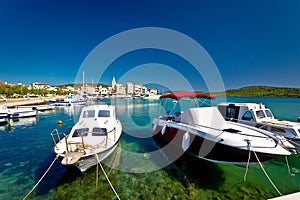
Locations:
(97, 172)
(248, 162)
(40, 178)
(267, 174)
(112, 187)
(294, 143)
(287, 163)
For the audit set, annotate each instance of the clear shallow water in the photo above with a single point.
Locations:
(26, 153)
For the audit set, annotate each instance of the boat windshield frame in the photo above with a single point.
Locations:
(181, 95)
(192, 96)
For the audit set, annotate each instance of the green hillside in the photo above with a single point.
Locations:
(263, 91)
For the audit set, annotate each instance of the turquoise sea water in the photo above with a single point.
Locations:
(26, 153)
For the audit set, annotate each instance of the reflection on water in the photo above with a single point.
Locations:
(71, 111)
(22, 122)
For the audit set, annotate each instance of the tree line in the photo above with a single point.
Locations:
(265, 91)
(18, 90)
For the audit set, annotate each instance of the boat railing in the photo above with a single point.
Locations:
(276, 140)
(84, 145)
(230, 119)
(263, 127)
(106, 134)
(56, 138)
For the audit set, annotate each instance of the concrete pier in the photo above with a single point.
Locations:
(24, 102)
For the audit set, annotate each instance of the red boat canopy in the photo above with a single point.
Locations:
(180, 95)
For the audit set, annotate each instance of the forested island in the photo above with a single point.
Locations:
(262, 91)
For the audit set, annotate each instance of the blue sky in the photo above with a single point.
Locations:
(251, 42)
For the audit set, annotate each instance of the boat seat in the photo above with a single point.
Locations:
(204, 116)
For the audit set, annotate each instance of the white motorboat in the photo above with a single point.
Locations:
(151, 96)
(43, 107)
(3, 114)
(69, 100)
(19, 112)
(204, 133)
(258, 115)
(39, 107)
(92, 139)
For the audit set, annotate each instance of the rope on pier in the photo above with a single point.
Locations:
(112, 187)
(41, 178)
(267, 175)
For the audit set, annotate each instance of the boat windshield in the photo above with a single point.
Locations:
(99, 131)
(103, 113)
(260, 114)
(173, 106)
(81, 132)
(269, 113)
(89, 114)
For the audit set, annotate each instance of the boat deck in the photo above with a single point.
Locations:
(292, 196)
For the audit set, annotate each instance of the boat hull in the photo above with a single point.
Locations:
(215, 152)
(44, 107)
(3, 118)
(21, 114)
(87, 162)
(69, 103)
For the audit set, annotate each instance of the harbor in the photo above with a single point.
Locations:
(149, 100)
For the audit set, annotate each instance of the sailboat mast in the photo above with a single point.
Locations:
(83, 81)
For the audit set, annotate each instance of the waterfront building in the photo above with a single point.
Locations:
(113, 84)
(52, 89)
(152, 91)
(109, 90)
(3, 84)
(89, 89)
(137, 89)
(120, 89)
(144, 90)
(129, 88)
(103, 91)
(65, 88)
(38, 85)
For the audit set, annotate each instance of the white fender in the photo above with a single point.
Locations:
(163, 130)
(155, 125)
(185, 141)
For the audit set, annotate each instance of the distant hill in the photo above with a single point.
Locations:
(263, 91)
